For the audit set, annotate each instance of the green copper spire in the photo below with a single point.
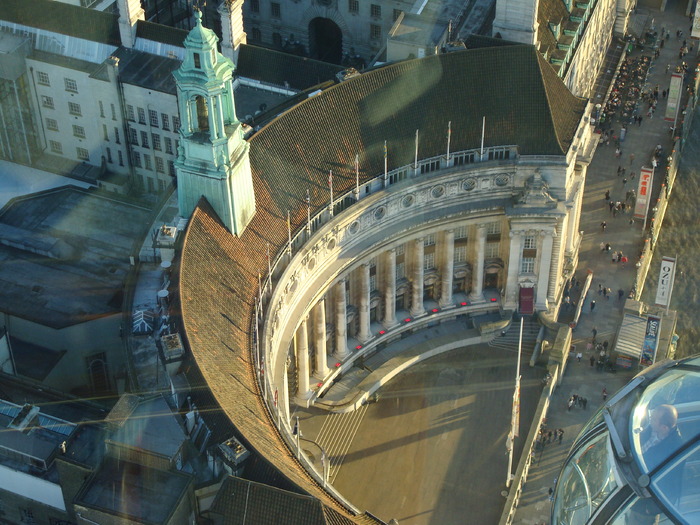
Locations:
(213, 156)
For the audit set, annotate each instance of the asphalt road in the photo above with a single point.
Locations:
(432, 449)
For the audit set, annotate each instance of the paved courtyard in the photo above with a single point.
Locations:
(432, 448)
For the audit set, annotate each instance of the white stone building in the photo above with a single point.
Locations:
(434, 189)
(572, 36)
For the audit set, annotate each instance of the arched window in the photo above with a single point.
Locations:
(202, 113)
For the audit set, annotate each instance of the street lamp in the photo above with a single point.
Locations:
(324, 468)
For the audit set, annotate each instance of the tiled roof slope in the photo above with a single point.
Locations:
(275, 67)
(522, 98)
(88, 24)
(241, 502)
(216, 300)
(553, 11)
(524, 102)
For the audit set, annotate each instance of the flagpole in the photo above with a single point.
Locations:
(483, 129)
(515, 413)
(289, 233)
(449, 136)
(269, 269)
(357, 176)
(308, 212)
(386, 165)
(330, 183)
(415, 161)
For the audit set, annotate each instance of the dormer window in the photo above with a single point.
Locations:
(556, 29)
(197, 61)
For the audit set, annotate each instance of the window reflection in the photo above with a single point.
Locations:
(678, 485)
(641, 511)
(587, 480)
(677, 389)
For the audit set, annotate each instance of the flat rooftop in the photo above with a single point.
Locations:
(131, 490)
(151, 426)
(64, 254)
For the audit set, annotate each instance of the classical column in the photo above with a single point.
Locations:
(302, 350)
(211, 117)
(220, 120)
(448, 267)
(341, 340)
(363, 304)
(320, 339)
(543, 271)
(555, 268)
(478, 272)
(417, 290)
(512, 285)
(390, 288)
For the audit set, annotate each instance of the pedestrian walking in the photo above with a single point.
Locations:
(620, 293)
(584, 402)
(605, 293)
(605, 345)
(607, 195)
(631, 158)
(579, 355)
(560, 432)
(592, 360)
(603, 225)
(624, 181)
(605, 394)
(594, 331)
(592, 306)
(570, 403)
(600, 289)
(611, 205)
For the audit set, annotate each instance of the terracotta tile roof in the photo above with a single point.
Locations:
(275, 67)
(524, 102)
(216, 294)
(59, 17)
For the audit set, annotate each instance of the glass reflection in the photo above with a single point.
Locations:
(678, 485)
(666, 416)
(587, 480)
(641, 511)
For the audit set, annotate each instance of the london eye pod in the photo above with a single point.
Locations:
(636, 461)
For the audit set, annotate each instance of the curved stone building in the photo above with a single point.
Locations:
(635, 462)
(410, 195)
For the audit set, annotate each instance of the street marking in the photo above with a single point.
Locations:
(336, 436)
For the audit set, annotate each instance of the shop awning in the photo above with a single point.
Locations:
(527, 301)
(630, 336)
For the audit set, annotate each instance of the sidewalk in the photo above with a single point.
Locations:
(581, 378)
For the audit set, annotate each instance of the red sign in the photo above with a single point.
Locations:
(646, 177)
